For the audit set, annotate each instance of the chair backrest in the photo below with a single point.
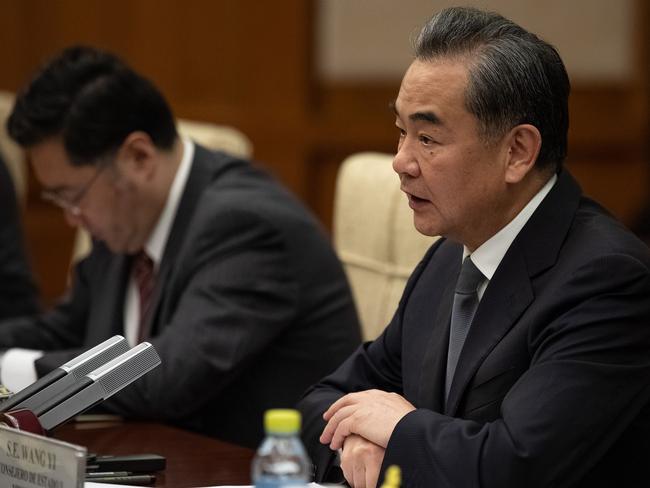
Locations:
(212, 136)
(11, 152)
(217, 137)
(375, 237)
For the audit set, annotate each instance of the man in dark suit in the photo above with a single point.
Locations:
(519, 355)
(18, 294)
(226, 274)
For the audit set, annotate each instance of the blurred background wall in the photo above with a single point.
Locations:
(309, 82)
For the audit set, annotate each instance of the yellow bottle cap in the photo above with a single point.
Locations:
(393, 477)
(282, 421)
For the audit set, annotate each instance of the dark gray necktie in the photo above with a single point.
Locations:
(465, 305)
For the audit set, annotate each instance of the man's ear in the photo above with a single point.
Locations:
(137, 156)
(523, 143)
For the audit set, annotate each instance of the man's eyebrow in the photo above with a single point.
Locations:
(429, 117)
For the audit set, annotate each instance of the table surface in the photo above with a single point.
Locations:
(192, 460)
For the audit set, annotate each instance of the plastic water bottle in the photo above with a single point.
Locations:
(281, 460)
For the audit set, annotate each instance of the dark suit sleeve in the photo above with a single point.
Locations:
(588, 379)
(238, 294)
(368, 367)
(61, 329)
(374, 365)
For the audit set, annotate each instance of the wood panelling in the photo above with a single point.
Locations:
(243, 63)
(250, 64)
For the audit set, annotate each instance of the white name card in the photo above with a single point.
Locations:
(32, 461)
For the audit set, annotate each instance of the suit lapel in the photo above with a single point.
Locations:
(431, 394)
(434, 364)
(108, 314)
(506, 297)
(206, 166)
(510, 291)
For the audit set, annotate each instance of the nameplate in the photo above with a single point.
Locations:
(32, 461)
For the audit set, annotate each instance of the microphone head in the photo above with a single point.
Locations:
(60, 379)
(99, 385)
(125, 369)
(97, 356)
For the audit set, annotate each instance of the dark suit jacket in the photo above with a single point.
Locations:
(18, 294)
(252, 307)
(553, 383)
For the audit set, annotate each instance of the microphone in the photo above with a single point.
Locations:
(97, 386)
(66, 375)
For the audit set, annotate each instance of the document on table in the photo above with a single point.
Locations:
(310, 485)
(89, 484)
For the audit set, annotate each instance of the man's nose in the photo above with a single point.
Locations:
(405, 161)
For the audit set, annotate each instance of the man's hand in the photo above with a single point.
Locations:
(372, 414)
(361, 461)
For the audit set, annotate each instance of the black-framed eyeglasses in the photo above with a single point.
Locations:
(72, 205)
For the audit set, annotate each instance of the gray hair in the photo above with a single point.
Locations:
(514, 77)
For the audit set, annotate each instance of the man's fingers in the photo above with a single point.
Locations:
(361, 461)
(346, 467)
(338, 404)
(350, 467)
(341, 432)
(372, 475)
(333, 423)
(359, 473)
(348, 474)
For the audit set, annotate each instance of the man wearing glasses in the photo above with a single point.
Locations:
(198, 252)
(71, 203)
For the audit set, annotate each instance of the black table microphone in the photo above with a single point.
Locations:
(66, 375)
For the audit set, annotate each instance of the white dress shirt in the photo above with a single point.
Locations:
(155, 245)
(488, 255)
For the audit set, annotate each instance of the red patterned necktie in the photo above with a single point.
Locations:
(144, 276)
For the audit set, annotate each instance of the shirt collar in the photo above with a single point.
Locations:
(155, 245)
(488, 256)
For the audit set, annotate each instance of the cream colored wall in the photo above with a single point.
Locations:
(369, 39)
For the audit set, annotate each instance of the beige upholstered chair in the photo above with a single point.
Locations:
(212, 136)
(218, 137)
(11, 152)
(375, 237)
